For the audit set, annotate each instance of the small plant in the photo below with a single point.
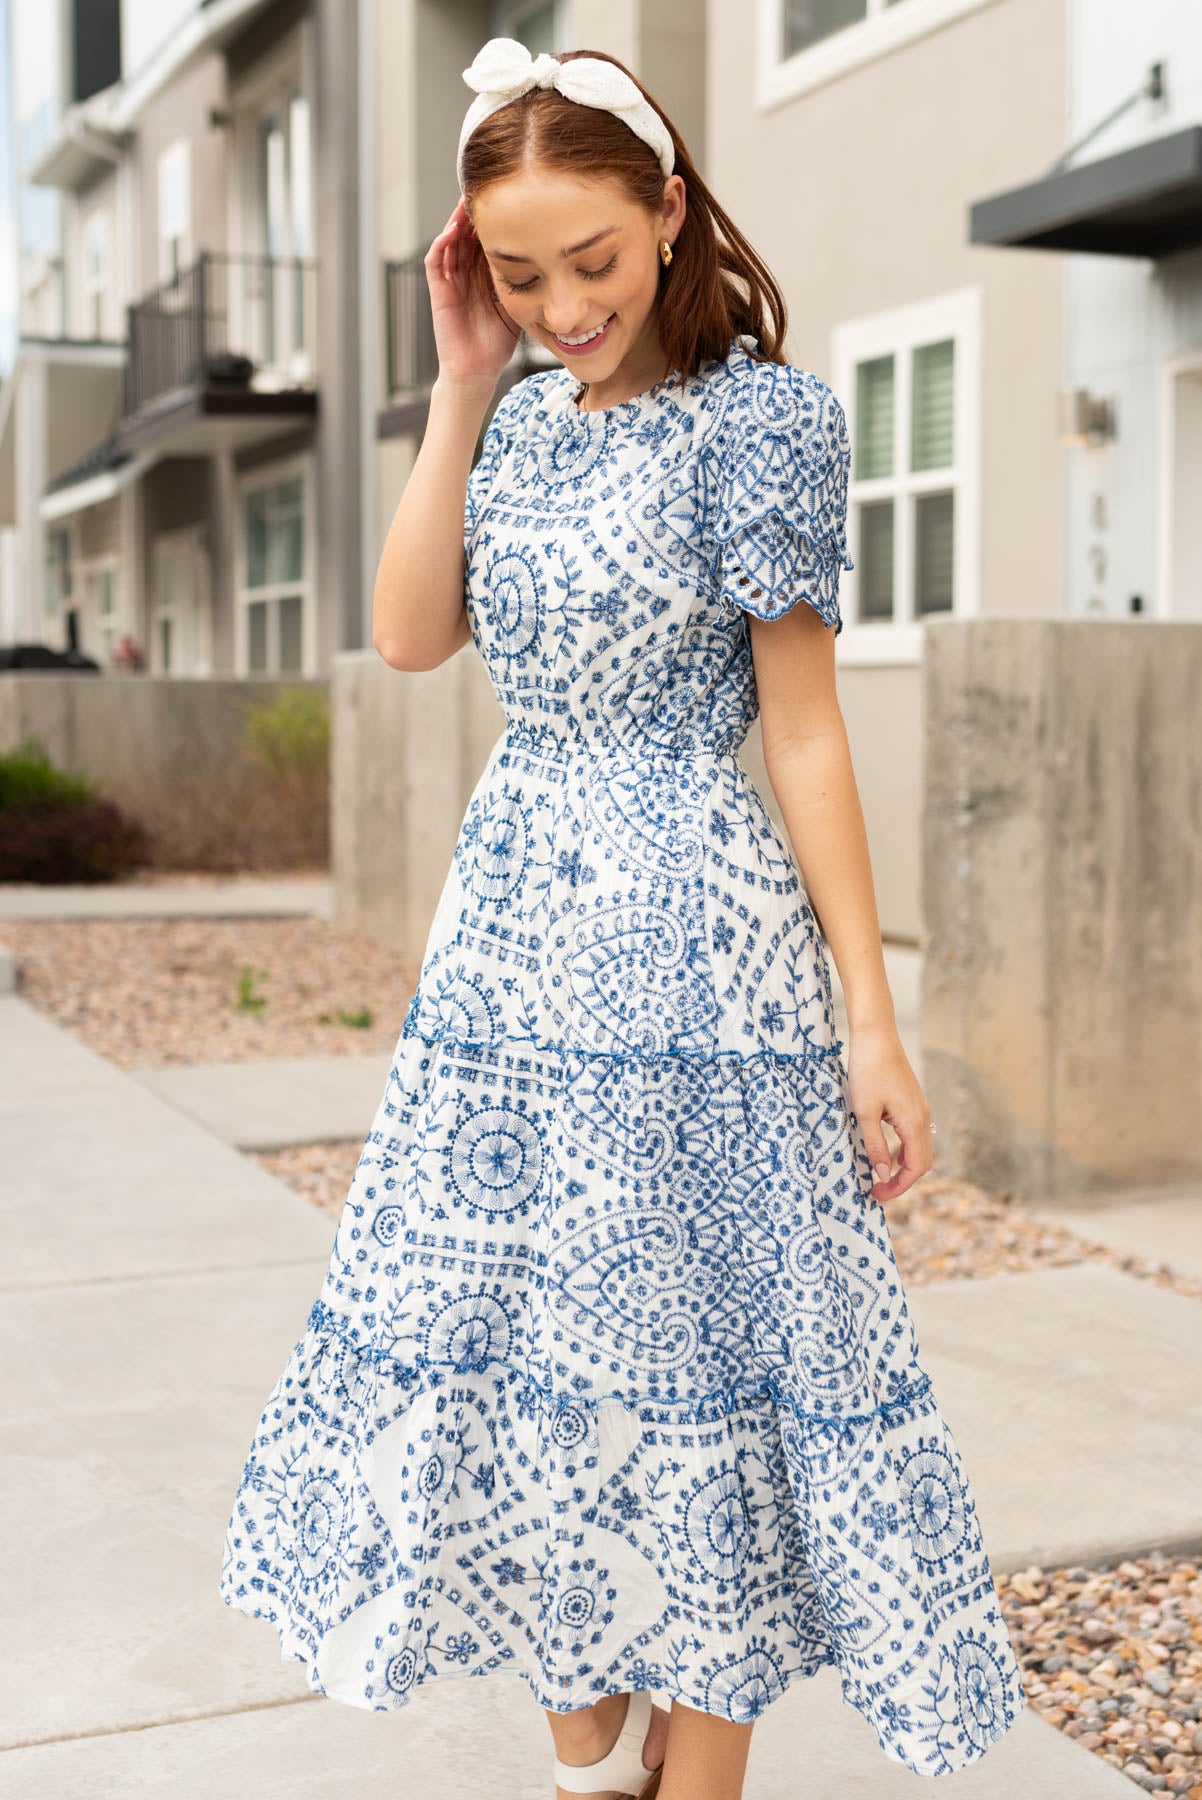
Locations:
(290, 735)
(248, 1000)
(359, 1021)
(28, 778)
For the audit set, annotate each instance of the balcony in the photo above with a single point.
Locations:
(411, 357)
(221, 355)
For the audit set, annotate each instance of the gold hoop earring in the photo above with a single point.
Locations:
(665, 252)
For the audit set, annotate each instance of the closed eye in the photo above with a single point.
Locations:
(524, 287)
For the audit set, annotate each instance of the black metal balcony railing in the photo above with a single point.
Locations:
(409, 326)
(221, 309)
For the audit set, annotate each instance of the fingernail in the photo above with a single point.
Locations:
(882, 1170)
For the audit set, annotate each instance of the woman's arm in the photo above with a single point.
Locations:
(418, 614)
(808, 760)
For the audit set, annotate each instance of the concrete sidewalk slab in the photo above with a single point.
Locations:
(1073, 1394)
(489, 1739)
(124, 1424)
(269, 1105)
(239, 897)
(1162, 1224)
(102, 1179)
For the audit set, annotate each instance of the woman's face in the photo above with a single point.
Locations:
(577, 265)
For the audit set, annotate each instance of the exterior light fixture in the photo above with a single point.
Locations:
(1085, 418)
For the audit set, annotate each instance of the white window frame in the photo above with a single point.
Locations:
(886, 28)
(956, 315)
(175, 162)
(270, 87)
(270, 475)
(96, 280)
(107, 626)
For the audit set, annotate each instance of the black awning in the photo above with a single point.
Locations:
(1146, 201)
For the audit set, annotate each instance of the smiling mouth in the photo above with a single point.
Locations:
(585, 340)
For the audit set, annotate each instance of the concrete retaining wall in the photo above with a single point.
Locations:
(1061, 1003)
(408, 748)
(160, 746)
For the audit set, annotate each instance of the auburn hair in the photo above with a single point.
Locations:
(717, 286)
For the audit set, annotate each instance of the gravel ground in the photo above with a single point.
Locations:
(1113, 1657)
(149, 993)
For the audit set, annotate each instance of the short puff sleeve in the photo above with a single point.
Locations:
(503, 430)
(781, 513)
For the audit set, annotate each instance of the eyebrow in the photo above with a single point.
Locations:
(572, 249)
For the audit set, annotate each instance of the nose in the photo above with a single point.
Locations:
(566, 313)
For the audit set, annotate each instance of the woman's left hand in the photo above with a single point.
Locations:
(882, 1085)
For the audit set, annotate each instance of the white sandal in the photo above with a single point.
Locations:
(622, 1769)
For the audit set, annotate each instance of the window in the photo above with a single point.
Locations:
(538, 24)
(95, 274)
(98, 588)
(274, 589)
(175, 210)
(270, 287)
(804, 22)
(58, 570)
(803, 43)
(910, 382)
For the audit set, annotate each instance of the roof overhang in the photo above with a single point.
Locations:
(84, 146)
(91, 490)
(211, 27)
(84, 387)
(1146, 201)
(92, 130)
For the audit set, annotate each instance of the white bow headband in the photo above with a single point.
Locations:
(505, 69)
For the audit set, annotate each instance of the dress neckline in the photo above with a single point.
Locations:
(572, 386)
(628, 410)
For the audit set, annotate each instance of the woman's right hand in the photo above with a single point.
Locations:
(474, 337)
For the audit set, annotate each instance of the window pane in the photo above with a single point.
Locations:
(874, 418)
(256, 637)
(807, 21)
(934, 553)
(286, 532)
(299, 143)
(256, 539)
(932, 419)
(876, 560)
(290, 635)
(537, 30)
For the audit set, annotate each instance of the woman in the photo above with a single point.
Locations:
(612, 1382)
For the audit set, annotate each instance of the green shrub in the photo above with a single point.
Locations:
(290, 735)
(88, 840)
(29, 778)
(54, 827)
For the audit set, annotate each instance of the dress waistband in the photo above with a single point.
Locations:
(568, 744)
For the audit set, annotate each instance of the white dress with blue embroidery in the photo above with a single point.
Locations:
(611, 1382)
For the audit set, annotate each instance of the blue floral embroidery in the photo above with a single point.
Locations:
(612, 1382)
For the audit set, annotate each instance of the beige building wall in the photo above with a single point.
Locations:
(181, 110)
(857, 193)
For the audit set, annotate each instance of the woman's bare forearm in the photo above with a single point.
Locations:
(815, 787)
(417, 604)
